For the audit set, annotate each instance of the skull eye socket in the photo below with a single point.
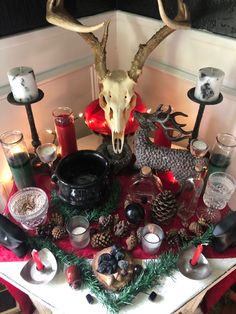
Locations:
(111, 113)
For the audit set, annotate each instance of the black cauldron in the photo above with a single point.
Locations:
(83, 178)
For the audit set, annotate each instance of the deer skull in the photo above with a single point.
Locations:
(117, 99)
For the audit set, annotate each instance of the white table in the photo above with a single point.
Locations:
(177, 294)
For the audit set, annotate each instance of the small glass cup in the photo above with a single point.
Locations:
(78, 230)
(219, 189)
(152, 236)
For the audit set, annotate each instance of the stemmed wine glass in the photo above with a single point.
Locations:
(47, 153)
(219, 189)
(193, 186)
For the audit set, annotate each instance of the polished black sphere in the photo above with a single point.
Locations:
(134, 213)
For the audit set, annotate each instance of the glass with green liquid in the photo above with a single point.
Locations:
(18, 158)
(222, 152)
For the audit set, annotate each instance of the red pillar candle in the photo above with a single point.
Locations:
(37, 260)
(65, 129)
(196, 255)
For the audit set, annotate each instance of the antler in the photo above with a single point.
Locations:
(167, 120)
(182, 20)
(57, 15)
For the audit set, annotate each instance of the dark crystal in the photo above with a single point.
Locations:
(90, 298)
(152, 296)
(123, 264)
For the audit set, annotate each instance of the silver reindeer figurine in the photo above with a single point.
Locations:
(159, 158)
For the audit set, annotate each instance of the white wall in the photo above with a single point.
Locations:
(62, 63)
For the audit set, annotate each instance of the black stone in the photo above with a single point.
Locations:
(90, 298)
(152, 296)
(117, 252)
(134, 213)
(138, 269)
(107, 264)
(123, 264)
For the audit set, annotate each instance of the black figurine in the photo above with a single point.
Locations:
(13, 237)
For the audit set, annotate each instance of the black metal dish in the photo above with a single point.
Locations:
(83, 178)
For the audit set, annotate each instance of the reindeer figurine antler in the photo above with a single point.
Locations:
(179, 161)
(117, 97)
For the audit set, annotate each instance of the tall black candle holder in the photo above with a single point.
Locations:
(202, 105)
(34, 134)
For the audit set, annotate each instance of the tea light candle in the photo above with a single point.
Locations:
(208, 84)
(152, 236)
(47, 152)
(78, 229)
(23, 84)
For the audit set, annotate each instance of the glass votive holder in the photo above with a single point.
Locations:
(152, 236)
(78, 230)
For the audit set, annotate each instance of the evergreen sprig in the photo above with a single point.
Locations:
(92, 214)
(151, 276)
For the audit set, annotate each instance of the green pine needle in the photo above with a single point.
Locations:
(92, 214)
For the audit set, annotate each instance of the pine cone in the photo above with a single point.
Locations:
(58, 232)
(45, 230)
(57, 219)
(102, 239)
(121, 228)
(131, 241)
(173, 238)
(177, 237)
(106, 222)
(196, 228)
(139, 233)
(164, 207)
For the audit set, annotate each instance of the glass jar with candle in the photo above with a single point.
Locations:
(65, 129)
(17, 156)
(222, 151)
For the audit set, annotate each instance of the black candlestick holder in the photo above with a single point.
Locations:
(202, 105)
(34, 134)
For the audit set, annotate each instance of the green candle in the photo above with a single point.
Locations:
(21, 170)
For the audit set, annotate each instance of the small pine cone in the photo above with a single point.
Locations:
(196, 228)
(203, 223)
(183, 235)
(164, 207)
(139, 234)
(106, 222)
(45, 230)
(121, 228)
(58, 232)
(131, 241)
(57, 219)
(173, 238)
(102, 239)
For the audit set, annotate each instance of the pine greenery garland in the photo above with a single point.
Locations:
(153, 271)
(93, 214)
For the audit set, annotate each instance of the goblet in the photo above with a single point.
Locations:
(47, 153)
(219, 189)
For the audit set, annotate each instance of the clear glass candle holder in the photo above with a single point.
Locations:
(78, 230)
(152, 236)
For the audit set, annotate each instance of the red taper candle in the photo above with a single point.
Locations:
(37, 260)
(196, 255)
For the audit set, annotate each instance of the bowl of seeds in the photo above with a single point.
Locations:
(29, 207)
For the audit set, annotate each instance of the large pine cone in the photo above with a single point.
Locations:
(102, 239)
(121, 228)
(164, 207)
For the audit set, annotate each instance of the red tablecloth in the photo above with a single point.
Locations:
(212, 296)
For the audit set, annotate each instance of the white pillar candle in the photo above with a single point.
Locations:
(23, 84)
(208, 84)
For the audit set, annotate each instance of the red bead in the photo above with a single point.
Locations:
(73, 277)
